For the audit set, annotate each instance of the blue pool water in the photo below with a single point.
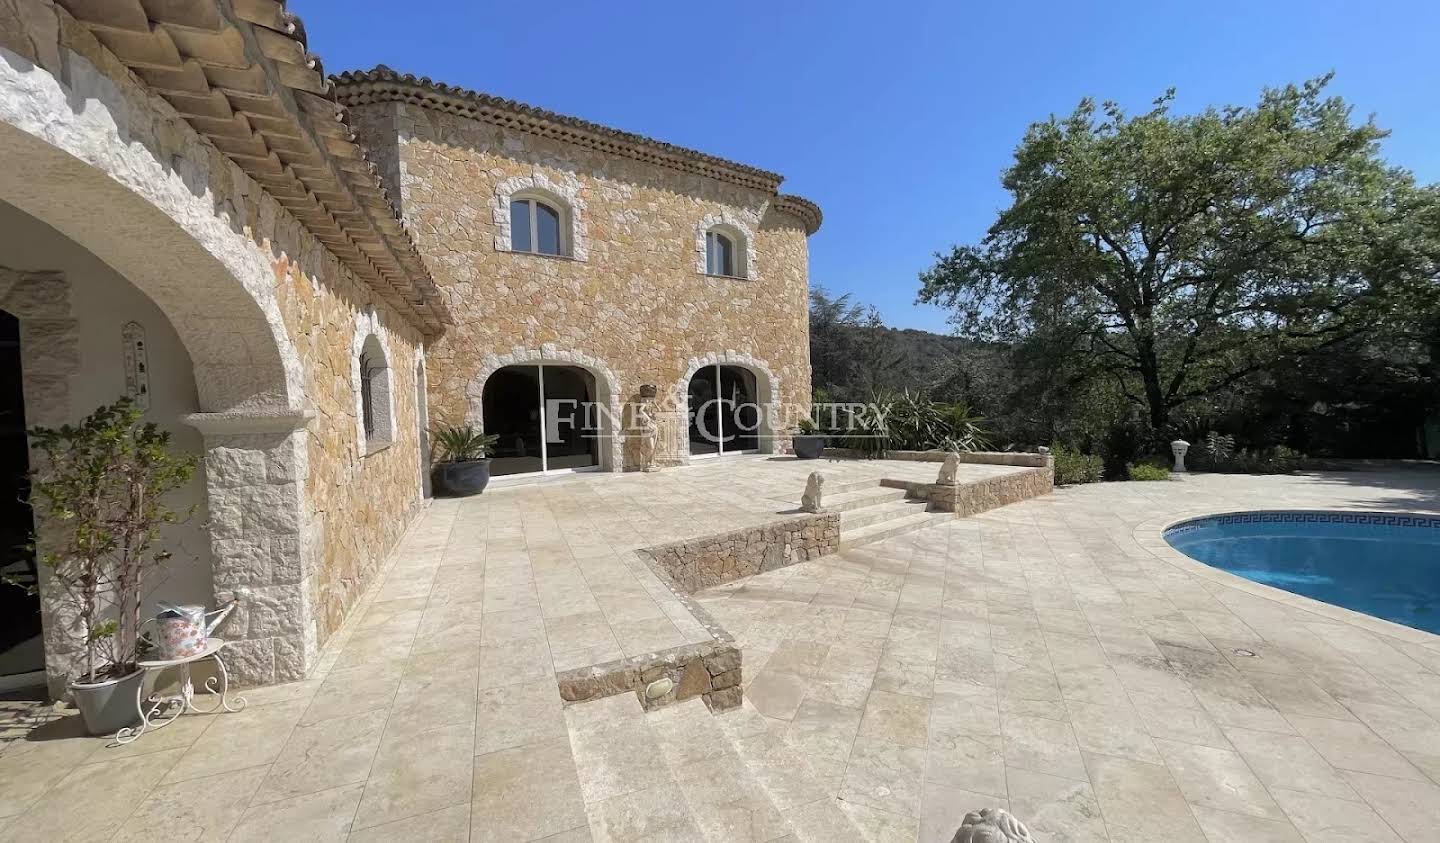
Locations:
(1382, 564)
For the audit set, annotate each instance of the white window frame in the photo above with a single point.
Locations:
(742, 246)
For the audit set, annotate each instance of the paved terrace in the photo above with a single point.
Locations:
(1047, 656)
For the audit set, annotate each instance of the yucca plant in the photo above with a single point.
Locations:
(458, 443)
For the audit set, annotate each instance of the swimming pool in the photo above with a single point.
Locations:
(1381, 563)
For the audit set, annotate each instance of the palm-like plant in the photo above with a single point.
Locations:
(463, 443)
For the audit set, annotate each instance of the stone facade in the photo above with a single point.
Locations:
(300, 516)
(631, 297)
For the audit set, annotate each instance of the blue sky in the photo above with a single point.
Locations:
(897, 118)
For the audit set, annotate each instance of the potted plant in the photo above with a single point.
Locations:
(99, 504)
(807, 440)
(462, 468)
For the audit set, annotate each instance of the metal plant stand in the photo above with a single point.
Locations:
(159, 710)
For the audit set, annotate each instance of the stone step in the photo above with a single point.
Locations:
(859, 498)
(723, 795)
(807, 804)
(876, 513)
(629, 790)
(834, 487)
(886, 529)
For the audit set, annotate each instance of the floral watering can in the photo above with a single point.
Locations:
(182, 632)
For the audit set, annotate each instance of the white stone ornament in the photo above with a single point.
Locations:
(1179, 448)
(949, 471)
(991, 825)
(814, 487)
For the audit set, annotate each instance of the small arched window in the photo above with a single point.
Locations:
(538, 227)
(720, 254)
(375, 413)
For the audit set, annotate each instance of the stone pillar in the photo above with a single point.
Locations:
(256, 466)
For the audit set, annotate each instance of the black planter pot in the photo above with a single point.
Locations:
(808, 447)
(461, 479)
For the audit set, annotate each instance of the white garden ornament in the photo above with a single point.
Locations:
(1179, 448)
(949, 471)
(991, 825)
(814, 487)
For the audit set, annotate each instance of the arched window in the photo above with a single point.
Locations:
(719, 254)
(723, 247)
(538, 227)
(375, 405)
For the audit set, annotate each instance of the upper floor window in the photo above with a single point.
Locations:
(719, 254)
(537, 227)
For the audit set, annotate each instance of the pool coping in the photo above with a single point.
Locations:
(1150, 535)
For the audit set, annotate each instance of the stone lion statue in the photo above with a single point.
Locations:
(991, 825)
(949, 471)
(814, 487)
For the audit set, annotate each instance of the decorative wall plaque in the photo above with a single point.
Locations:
(137, 365)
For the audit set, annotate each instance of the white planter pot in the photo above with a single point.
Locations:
(108, 706)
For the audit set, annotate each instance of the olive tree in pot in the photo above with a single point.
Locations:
(462, 468)
(98, 498)
(806, 440)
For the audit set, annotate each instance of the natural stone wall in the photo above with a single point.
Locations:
(982, 495)
(972, 457)
(715, 560)
(710, 671)
(265, 310)
(359, 503)
(634, 299)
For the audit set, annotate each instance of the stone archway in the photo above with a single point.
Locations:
(767, 388)
(612, 454)
(92, 164)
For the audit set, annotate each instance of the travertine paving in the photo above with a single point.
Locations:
(1041, 656)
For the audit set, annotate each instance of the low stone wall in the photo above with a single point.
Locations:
(715, 560)
(710, 671)
(1018, 458)
(981, 495)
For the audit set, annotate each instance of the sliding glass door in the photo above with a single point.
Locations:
(724, 414)
(545, 417)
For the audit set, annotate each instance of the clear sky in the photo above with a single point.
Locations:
(896, 117)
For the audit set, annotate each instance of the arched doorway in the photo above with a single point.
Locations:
(125, 200)
(546, 418)
(22, 646)
(725, 411)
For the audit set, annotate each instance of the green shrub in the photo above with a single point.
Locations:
(1145, 471)
(1218, 453)
(1073, 467)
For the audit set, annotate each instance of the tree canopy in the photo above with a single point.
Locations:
(1176, 255)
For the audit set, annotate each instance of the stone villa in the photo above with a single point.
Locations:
(299, 274)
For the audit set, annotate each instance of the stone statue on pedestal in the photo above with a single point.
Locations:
(949, 471)
(646, 430)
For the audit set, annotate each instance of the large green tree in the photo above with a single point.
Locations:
(1180, 254)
